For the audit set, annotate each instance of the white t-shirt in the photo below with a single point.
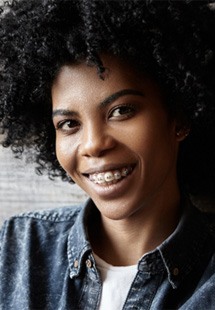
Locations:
(116, 284)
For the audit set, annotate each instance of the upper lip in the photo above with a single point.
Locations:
(107, 167)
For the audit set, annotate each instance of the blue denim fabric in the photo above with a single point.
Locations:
(46, 262)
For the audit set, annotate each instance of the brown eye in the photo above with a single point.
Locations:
(122, 112)
(70, 126)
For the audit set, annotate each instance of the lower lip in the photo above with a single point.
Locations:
(111, 191)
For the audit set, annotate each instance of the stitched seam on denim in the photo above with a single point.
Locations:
(47, 217)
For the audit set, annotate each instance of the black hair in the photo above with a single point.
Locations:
(173, 41)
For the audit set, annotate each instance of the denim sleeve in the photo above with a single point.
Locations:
(2, 230)
(32, 257)
(13, 264)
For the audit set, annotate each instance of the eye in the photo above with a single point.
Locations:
(122, 112)
(68, 126)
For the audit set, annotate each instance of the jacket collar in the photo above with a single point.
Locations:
(178, 254)
(187, 246)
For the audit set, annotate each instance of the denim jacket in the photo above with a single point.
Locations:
(46, 262)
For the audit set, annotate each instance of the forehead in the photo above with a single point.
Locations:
(115, 68)
(81, 81)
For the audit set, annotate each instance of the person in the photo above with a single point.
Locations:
(118, 97)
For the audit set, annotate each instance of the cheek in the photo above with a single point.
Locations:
(65, 152)
(154, 145)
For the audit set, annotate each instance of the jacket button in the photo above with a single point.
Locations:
(175, 271)
(76, 263)
(89, 263)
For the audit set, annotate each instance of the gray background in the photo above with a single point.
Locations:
(21, 189)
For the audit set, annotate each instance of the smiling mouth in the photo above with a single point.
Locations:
(110, 177)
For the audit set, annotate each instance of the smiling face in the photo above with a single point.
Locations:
(114, 137)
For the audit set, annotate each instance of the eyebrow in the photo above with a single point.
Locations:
(104, 102)
(64, 112)
(120, 93)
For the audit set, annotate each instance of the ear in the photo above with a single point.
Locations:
(181, 132)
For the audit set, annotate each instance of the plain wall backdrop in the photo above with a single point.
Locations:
(21, 189)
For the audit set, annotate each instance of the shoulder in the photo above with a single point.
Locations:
(52, 215)
(56, 215)
(42, 223)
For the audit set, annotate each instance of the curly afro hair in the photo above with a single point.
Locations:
(173, 41)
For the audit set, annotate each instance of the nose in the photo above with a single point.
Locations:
(96, 141)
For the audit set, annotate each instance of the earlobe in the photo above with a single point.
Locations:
(182, 133)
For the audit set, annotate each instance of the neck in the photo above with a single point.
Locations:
(124, 242)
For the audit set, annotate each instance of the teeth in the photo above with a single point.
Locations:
(100, 178)
(109, 176)
(117, 175)
(125, 172)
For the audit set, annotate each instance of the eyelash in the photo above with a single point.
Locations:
(127, 111)
(69, 121)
